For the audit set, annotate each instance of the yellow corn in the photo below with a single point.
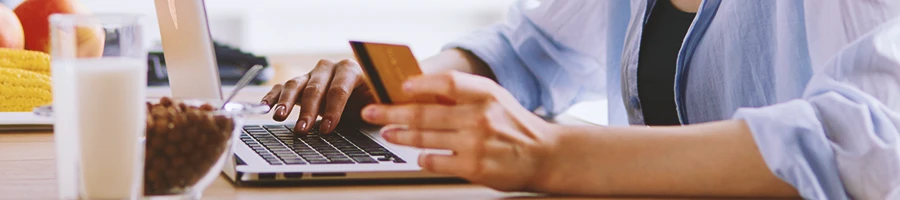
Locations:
(35, 61)
(23, 90)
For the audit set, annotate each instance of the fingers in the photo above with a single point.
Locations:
(346, 77)
(272, 97)
(416, 116)
(359, 98)
(421, 138)
(443, 164)
(287, 97)
(456, 85)
(312, 94)
(472, 159)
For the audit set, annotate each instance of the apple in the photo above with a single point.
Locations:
(11, 34)
(35, 17)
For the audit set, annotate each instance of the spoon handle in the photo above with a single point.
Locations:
(245, 80)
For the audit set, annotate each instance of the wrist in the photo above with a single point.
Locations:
(547, 176)
(456, 59)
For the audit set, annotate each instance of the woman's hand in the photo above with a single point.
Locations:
(496, 142)
(328, 90)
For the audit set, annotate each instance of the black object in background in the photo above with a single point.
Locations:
(660, 44)
(233, 63)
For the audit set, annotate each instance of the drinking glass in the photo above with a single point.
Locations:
(99, 72)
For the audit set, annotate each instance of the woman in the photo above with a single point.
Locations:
(771, 98)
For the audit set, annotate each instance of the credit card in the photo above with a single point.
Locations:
(386, 67)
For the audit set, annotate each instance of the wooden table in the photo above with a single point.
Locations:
(27, 171)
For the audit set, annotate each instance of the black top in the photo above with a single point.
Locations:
(660, 44)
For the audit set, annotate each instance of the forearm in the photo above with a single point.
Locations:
(714, 159)
(456, 59)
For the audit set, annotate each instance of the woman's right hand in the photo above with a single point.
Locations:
(330, 89)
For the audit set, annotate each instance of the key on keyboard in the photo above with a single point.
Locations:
(278, 146)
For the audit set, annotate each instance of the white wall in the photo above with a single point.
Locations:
(324, 26)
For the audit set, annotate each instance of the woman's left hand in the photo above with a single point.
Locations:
(496, 142)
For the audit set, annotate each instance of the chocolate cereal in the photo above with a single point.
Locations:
(183, 143)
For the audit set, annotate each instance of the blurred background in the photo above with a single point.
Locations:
(324, 26)
(293, 34)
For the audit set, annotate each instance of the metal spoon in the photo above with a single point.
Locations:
(245, 80)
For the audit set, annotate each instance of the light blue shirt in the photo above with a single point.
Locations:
(817, 81)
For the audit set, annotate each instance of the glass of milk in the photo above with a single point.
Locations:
(99, 72)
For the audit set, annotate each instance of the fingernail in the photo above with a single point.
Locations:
(279, 110)
(390, 130)
(325, 126)
(388, 135)
(303, 125)
(407, 86)
(370, 112)
(264, 102)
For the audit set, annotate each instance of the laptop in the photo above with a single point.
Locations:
(268, 151)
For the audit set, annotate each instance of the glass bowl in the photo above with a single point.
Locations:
(187, 143)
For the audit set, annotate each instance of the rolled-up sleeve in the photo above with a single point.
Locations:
(840, 141)
(551, 54)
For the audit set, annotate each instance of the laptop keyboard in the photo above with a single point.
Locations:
(278, 145)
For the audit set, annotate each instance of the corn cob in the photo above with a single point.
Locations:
(22, 90)
(34, 61)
